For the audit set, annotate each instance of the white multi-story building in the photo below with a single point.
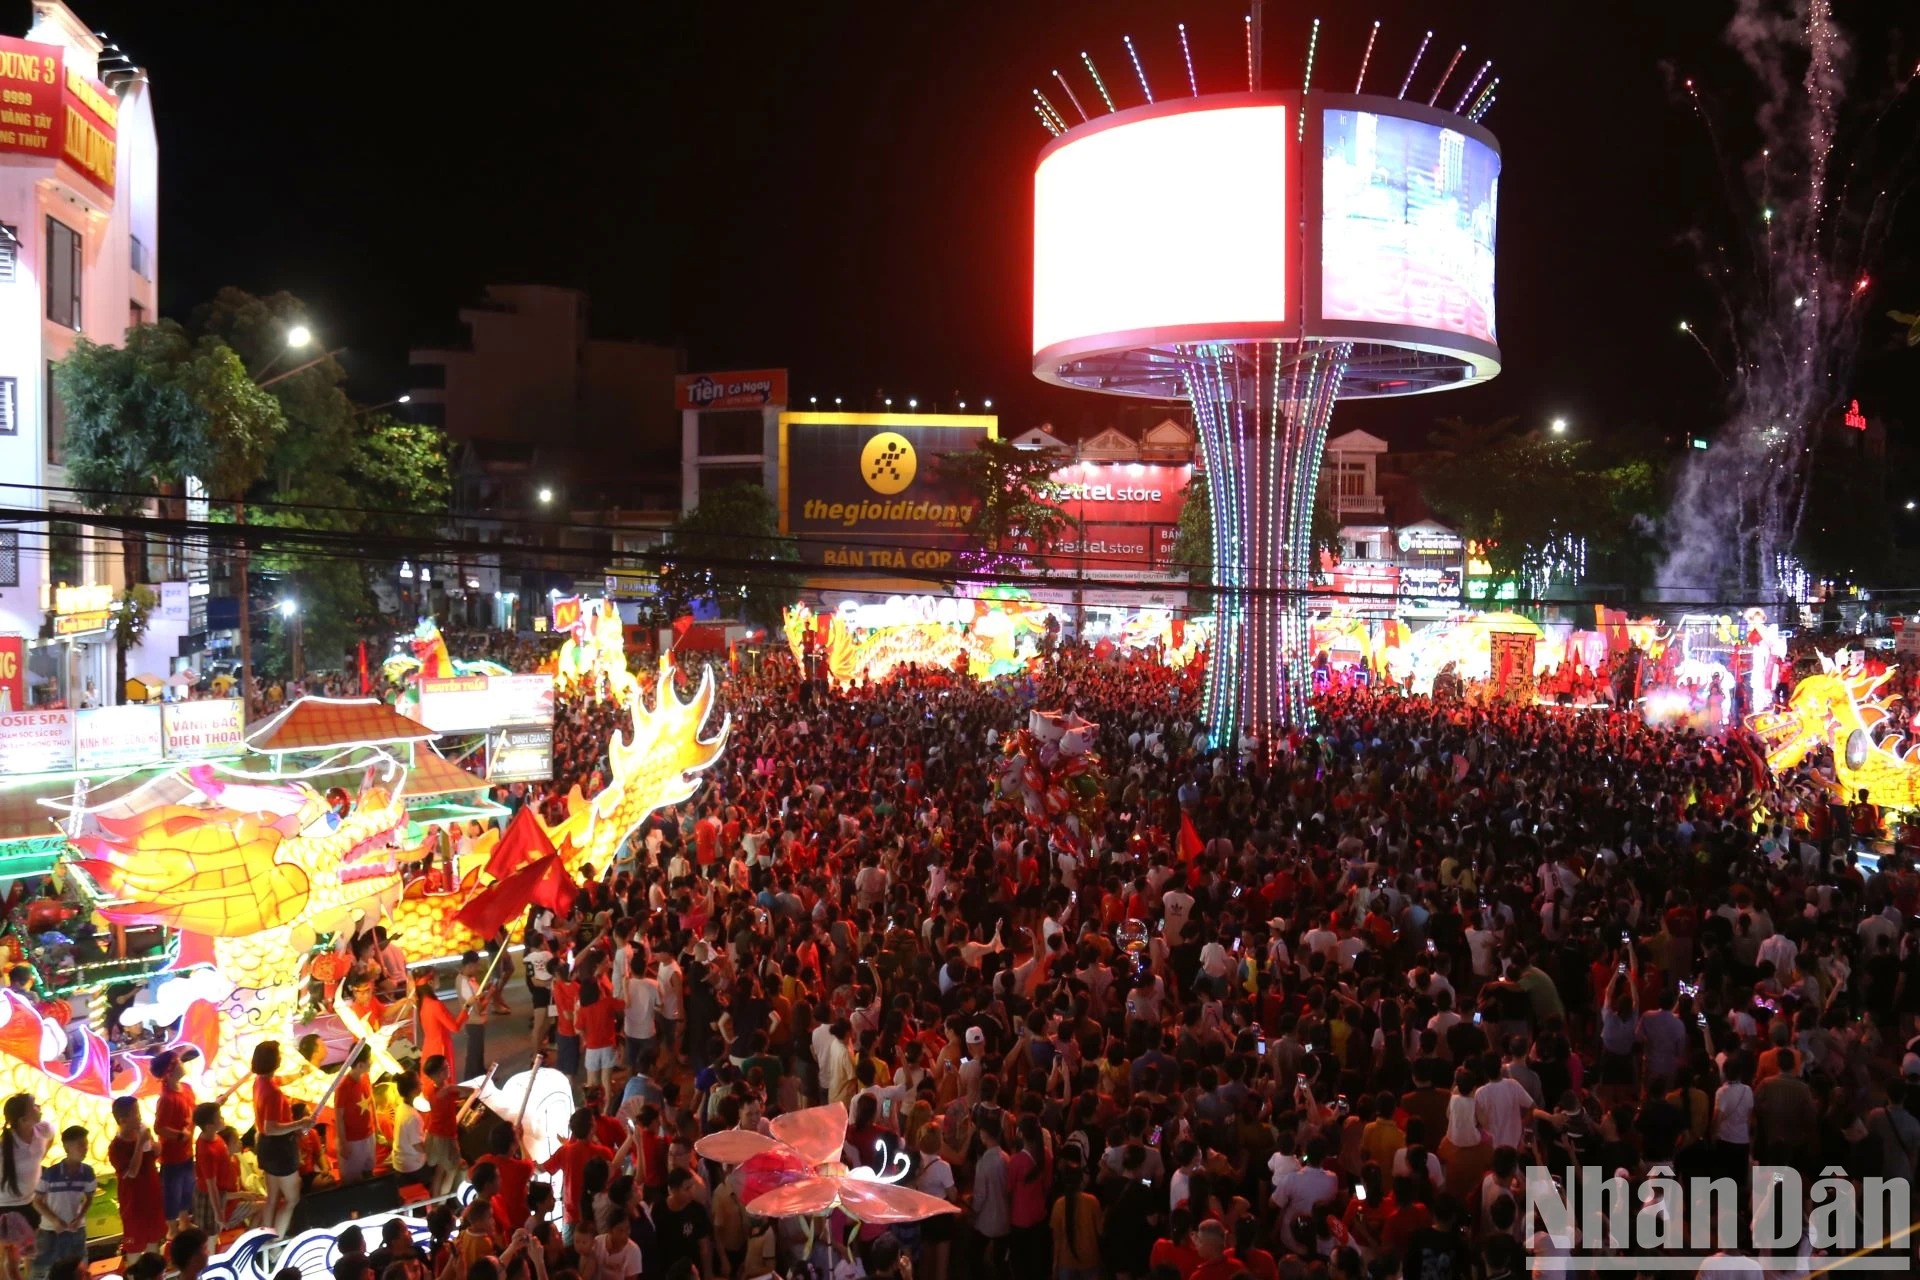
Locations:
(79, 244)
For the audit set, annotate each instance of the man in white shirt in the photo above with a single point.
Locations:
(642, 1019)
(1175, 908)
(619, 1256)
(1501, 1107)
(672, 1002)
(1296, 1197)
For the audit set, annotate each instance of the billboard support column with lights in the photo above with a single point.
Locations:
(1350, 256)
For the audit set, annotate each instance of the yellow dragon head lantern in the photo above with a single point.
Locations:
(1846, 713)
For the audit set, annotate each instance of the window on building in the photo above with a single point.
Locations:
(9, 406)
(1353, 479)
(9, 557)
(63, 274)
(56, 422)
(138, 259)
(136, 314)
(9, 251)
(733, 431)
(64, 561)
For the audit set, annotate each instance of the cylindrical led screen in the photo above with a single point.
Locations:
(1174, 219)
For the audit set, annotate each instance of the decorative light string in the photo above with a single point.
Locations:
(1367, 57)
(1418, 54)
(1306, 86)
(1447, 75)
(1131, 53)
(1098, 83)
(1072, 97)
(1471, 84)
(1185, 52)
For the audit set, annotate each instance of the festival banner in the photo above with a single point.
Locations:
(197, 730)
(1511, 663)
(36, 742)
(566, 613)
(116, 737)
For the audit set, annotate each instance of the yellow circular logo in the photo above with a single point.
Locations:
(887, 463)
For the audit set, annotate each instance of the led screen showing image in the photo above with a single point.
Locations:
(1407, 225)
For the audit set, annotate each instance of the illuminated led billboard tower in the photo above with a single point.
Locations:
(1262, 255)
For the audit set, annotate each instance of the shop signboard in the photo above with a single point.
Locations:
(739, 389)
(460, 704)
(52, 110)
(865, 490)
(175, 603)
(210, 727)
(36, 741)
(520, 755)
(30, 116)
(116, 737)
(13, 673)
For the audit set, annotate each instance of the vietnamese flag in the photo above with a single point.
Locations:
(1190, 845)
(543, 882)
(523, 841)
(556, 890)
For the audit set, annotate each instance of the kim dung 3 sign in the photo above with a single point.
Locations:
(863, 490)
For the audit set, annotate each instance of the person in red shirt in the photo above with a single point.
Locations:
(706, 838)
(514, 1171)
(566, 1032)
(136, 1166)
(173, 1124)
(216, 1175)
(443, 1125)
(353, 1121)
(599, 1020)
(433, 1025)
(570, 1161)
(1217, 1262)
(277, 1142)
(1176, 1248)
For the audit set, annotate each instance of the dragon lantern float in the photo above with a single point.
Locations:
(254, 874)
(429, 658)
(1847, 714)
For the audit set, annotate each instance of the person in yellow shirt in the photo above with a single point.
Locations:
(1382, 1138)
(1076, 1230)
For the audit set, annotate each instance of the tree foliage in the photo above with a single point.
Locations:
(143, 417)
(1522, 496)
(1193, 535)
(1015, 498)
(133, 614)
(336, 468)
(729, 549)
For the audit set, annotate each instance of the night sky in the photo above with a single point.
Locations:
(844, 189)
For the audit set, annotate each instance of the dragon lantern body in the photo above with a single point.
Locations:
(253, 874)
(1847, 714)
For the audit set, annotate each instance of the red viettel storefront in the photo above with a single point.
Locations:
(1127, 513)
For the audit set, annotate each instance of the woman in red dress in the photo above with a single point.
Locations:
(136, 1164)
(278, 1139)
(435, 1026)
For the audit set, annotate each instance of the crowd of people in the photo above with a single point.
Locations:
(1307, 1016)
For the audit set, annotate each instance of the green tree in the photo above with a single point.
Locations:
(1193, 535)
(1525, 497)
(133, 614)
(337, 469)
(1015, 499)
(730, 549)
(143, 417)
